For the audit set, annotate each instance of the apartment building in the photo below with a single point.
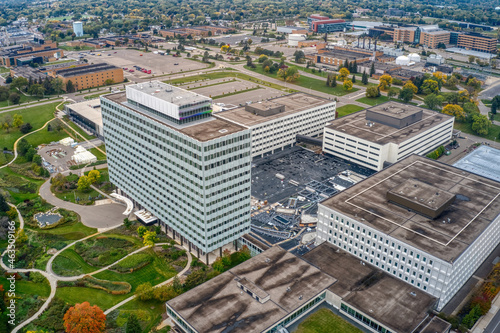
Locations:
(275, 123)
(386, 133)
(424, 222)
(172, 158)
(90, 76)
(477, 42)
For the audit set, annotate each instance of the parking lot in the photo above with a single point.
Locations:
(158, 64)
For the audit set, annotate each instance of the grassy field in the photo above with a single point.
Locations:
(324, 74)
(75, 195)
(23, 99)
(45, 136)
(325, 321)
(373, 101)
(100, 156)
(76, 128)
(495, 116)
(36, 116)
(101, 298)
(62, 61)
(493, 133)
(70, 230)
(94, 96)
(4, 70)
(344, 110)
(310, 83)
(150, 312)
(70, 263)
(24, 287)
(72, 48)
(14, 182)
(223, 74)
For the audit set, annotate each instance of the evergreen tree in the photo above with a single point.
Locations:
(354, 67)
(3, 204)
(353, 78)
(346, 64)
(30, 82)
(70, 87)
(364, 78)
(133, 325)
(333, 84)
(372, 69)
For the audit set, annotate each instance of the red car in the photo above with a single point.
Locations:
(149, 71)
(131, 71)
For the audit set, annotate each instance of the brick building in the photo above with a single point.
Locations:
(90, 76)
(477, 42)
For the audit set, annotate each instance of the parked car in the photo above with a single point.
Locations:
(176, 63)
(131, 71)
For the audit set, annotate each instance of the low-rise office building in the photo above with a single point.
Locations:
(386, 133)
(276, 289)
(424, 222)
(433, 38)
(90, 76)
(87, 115)
(275, 123)
(337, 55)
(477, 42)
(29, 53)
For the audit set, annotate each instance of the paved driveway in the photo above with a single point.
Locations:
(102, 216)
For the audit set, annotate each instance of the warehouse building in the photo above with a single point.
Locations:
(426, 223)
(275, 289)
(386, 133)
(90, 76)
(275, 123)
(171, 157)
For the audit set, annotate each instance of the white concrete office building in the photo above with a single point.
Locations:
(171, 157)
(275, 123)
(78, 28)
(427, 223)
(386, 133)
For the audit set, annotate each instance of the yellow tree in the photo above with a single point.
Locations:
(18, 120)
(411, 86)
(343, 74)
(440, 76)
(455, 110)
(347, 84)
(224, 48)
(385, 82)
(94, 176)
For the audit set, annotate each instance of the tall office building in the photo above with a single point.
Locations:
(78, 28)
(190, 171)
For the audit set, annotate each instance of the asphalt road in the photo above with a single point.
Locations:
(494, 326)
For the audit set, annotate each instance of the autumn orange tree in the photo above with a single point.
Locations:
(84, 318)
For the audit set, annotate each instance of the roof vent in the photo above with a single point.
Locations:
(223, 130)
(413, 294)
(301, 297)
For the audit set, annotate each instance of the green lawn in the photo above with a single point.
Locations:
(94, 96)
(150, 312)
(493, 133)
(4, 70)
(24, 287)
(72, 48)
(155, 273)
(45, 136)
(19, 187)
(36, 116)
(75, 196)
(324, 74)
(344, 110)
(373, 101)
(76, 128)
(70, 263)
(70, 230)
(309, 83)
(62, 61)
(23, 99)
(495, 116)
(100, 156)
(101, 298)
(325, 321)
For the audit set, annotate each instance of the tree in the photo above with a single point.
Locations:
(70, 87)
(25, 128)
(94, 176)
(432, 101)
(3, 204)
(19, 83)
(372, 69)
(392, 92)
(133, 325)
(410, 85)
(127, 223)
(299, 55)
(480, 124)
(11, 213)
(455, 110)
(4, 93)
(194, 279)
(84, 183)
(84, 318)
(149, 238)
(30, 153)
(141, 230)
(18, 120)
(289, 74)
(372, 92)
(430, 86)
(14, 98)
(343, 74)
(354, 66)
(224, 48)
(37, 159)
(353, 78)
(23, 146)
(347, 84)
(333, 84)
(406, 94)
(364, 78)
(385, 82)
(474, 83)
